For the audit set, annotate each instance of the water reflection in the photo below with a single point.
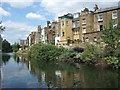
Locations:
(66, 76)
(47, 75)
(5, 58)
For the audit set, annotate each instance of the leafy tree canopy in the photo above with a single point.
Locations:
(15, 47)
(6, 47)
(111, 36)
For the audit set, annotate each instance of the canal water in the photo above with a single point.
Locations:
(19, 72)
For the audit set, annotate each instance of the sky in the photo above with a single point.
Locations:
(21, 17)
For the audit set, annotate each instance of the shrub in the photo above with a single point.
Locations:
(113, 61)
(91, 54)
(47, 53)
(117, 53)
(110, 36)
(69, 53)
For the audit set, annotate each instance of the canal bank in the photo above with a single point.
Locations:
(93, 54)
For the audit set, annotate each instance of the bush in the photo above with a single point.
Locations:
(117, 53)
(46, 53)
(69, 53)
(91, 54)
(113, 61)
(110, 36)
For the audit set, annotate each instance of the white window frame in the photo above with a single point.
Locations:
(115, 25)
(84, 30)
(76, 15)
(77, 32)
(114, 15)
(100, 17)
(74, 24)
(98, 27)
(83, 21)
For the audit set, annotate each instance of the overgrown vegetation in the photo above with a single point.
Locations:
(111, 37)
(109, 54)
(92, 54)
(49, 53)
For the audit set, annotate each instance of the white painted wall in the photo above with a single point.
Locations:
(56, 40)
(43, 36)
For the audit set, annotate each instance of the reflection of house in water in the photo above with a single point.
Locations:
(1, 77)
(43, 82)
(58, 79)
(69, 80)
(58, 73)
(29, 66)
(65, 79)
(59, 76)
(0, 59)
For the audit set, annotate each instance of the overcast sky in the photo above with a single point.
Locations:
(20, 17)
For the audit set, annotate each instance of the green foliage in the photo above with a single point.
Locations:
(111, 37)
(69, 53)
(6, 47)
(91, 53)
(50, 53)
(52, 42)
(111, 60)
(15, 47)
(45, 53)
(117, 53)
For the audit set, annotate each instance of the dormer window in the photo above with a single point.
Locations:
(76, 15)
(100, 17)
(114, 15)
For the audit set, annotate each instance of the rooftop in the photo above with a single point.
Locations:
(69, 16)
(107, 9)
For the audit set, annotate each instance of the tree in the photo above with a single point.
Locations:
(6, 47)
(15, 47)
(111, 37)
(2, 28)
